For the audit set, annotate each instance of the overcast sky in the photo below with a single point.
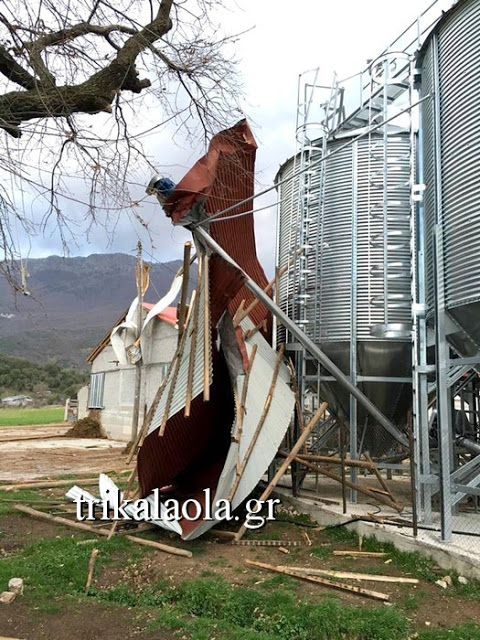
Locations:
(284, 39)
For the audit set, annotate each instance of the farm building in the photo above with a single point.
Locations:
(17, 401)
(111, 390)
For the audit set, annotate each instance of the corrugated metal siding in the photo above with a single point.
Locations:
(457, 86)
(331, 236)
(190, 446)
(428, 117)
(180, 390)
(224, 176)
(273, 430)
(278, 417)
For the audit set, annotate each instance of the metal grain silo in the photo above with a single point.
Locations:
(450, 116)
(357, 296)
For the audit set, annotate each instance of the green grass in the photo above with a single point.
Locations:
(55, 570)
(214, 608)
(20, 417)
(54, 567)
(9, 498)
(470, 631)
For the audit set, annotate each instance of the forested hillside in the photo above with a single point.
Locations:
(48, 382)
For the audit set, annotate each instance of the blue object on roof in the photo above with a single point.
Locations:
(164, 186)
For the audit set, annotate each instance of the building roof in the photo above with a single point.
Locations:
(168, 315)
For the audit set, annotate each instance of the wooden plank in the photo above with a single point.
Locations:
(286, 463)
(376, 595)
(49, 485)
(182, 310)
(193, 341)
(360, 554)
(206, 329)
(251, 332)
(81, 526)
(91, 567)
(278, 274)
(378, 475)
(348, 575)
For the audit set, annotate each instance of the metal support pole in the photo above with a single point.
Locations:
(304, 340)
(353, 326)
(444, 396)
(138, 369)
(444, 409)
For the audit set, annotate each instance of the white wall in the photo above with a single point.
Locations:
(158, 346)
(82, 397)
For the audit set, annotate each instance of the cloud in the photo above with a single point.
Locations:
(283, 41)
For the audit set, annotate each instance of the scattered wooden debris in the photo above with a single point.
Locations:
(91, 567)
(267, 543)
(286, 463)
(307, 538)
(51, 484)
(371, 492)
(290, 571)
(360, 554)
(348, 575)
(81, 526)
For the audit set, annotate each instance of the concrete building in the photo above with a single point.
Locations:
(17, 401)
(111, 389)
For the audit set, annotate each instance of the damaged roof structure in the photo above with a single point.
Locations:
(224, 406)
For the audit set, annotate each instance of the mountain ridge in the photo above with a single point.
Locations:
(73, 303)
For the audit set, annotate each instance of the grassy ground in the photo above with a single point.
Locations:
(214, 596)
(20, 417)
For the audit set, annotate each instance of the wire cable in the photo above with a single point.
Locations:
(312, 166)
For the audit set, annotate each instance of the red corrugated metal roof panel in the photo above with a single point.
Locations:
(168, 315)
(224, 176)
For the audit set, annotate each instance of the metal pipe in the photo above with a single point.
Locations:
(304, 340)
(471, 445)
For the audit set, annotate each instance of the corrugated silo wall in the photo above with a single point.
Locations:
(353, 183)
(450, 63)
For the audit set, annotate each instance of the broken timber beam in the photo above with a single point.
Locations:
(348, 575)
(376, 595)
(286, 463)
(81, 526)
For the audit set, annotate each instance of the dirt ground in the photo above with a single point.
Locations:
(436, 608)
(24, 456)
(83, 620)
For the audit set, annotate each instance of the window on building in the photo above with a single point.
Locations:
(163, 370)
(95, 394)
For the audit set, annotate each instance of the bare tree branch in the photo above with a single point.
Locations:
(140, 65)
